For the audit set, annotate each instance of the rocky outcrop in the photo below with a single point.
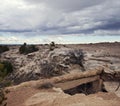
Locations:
(61, 79)
(112, 82)
(43, 63)
(61, 99)
(62, 60)
(49, 95)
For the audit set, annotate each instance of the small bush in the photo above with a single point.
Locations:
(5, 83)
(3, 48)
(47, 70)
(77, 57)
(50, 69)
(1, 66)
(25, 49)
(31, 49)
(46, 85)
(5, 68)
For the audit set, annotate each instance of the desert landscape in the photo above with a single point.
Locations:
(63, 75)
(59, 52)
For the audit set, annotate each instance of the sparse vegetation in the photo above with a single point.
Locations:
(46, 85)
(50, 70)
(59, 65)
(3, 48)
(5, 83)
(76, 57)
(5, 68)
(25, 49)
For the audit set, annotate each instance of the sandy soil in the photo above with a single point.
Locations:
(19, 96)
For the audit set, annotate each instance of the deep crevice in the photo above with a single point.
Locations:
(88, 88)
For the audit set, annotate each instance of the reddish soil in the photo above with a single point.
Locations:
(18, 97)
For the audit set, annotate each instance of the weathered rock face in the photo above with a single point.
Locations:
(61, 99)
(43, 63)
(112, 82)
(61, 60)
(113, 87)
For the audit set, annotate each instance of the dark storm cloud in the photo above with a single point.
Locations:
(110, 26)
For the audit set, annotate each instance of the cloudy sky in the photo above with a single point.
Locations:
(62, 21)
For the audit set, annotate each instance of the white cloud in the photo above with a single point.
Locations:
(58, 17)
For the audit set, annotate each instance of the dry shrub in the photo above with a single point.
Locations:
(76, 57)
(25, 49)
(46, 85)
(3, 48)
(50, 69)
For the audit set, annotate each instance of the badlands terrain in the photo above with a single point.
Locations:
(61, 77)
